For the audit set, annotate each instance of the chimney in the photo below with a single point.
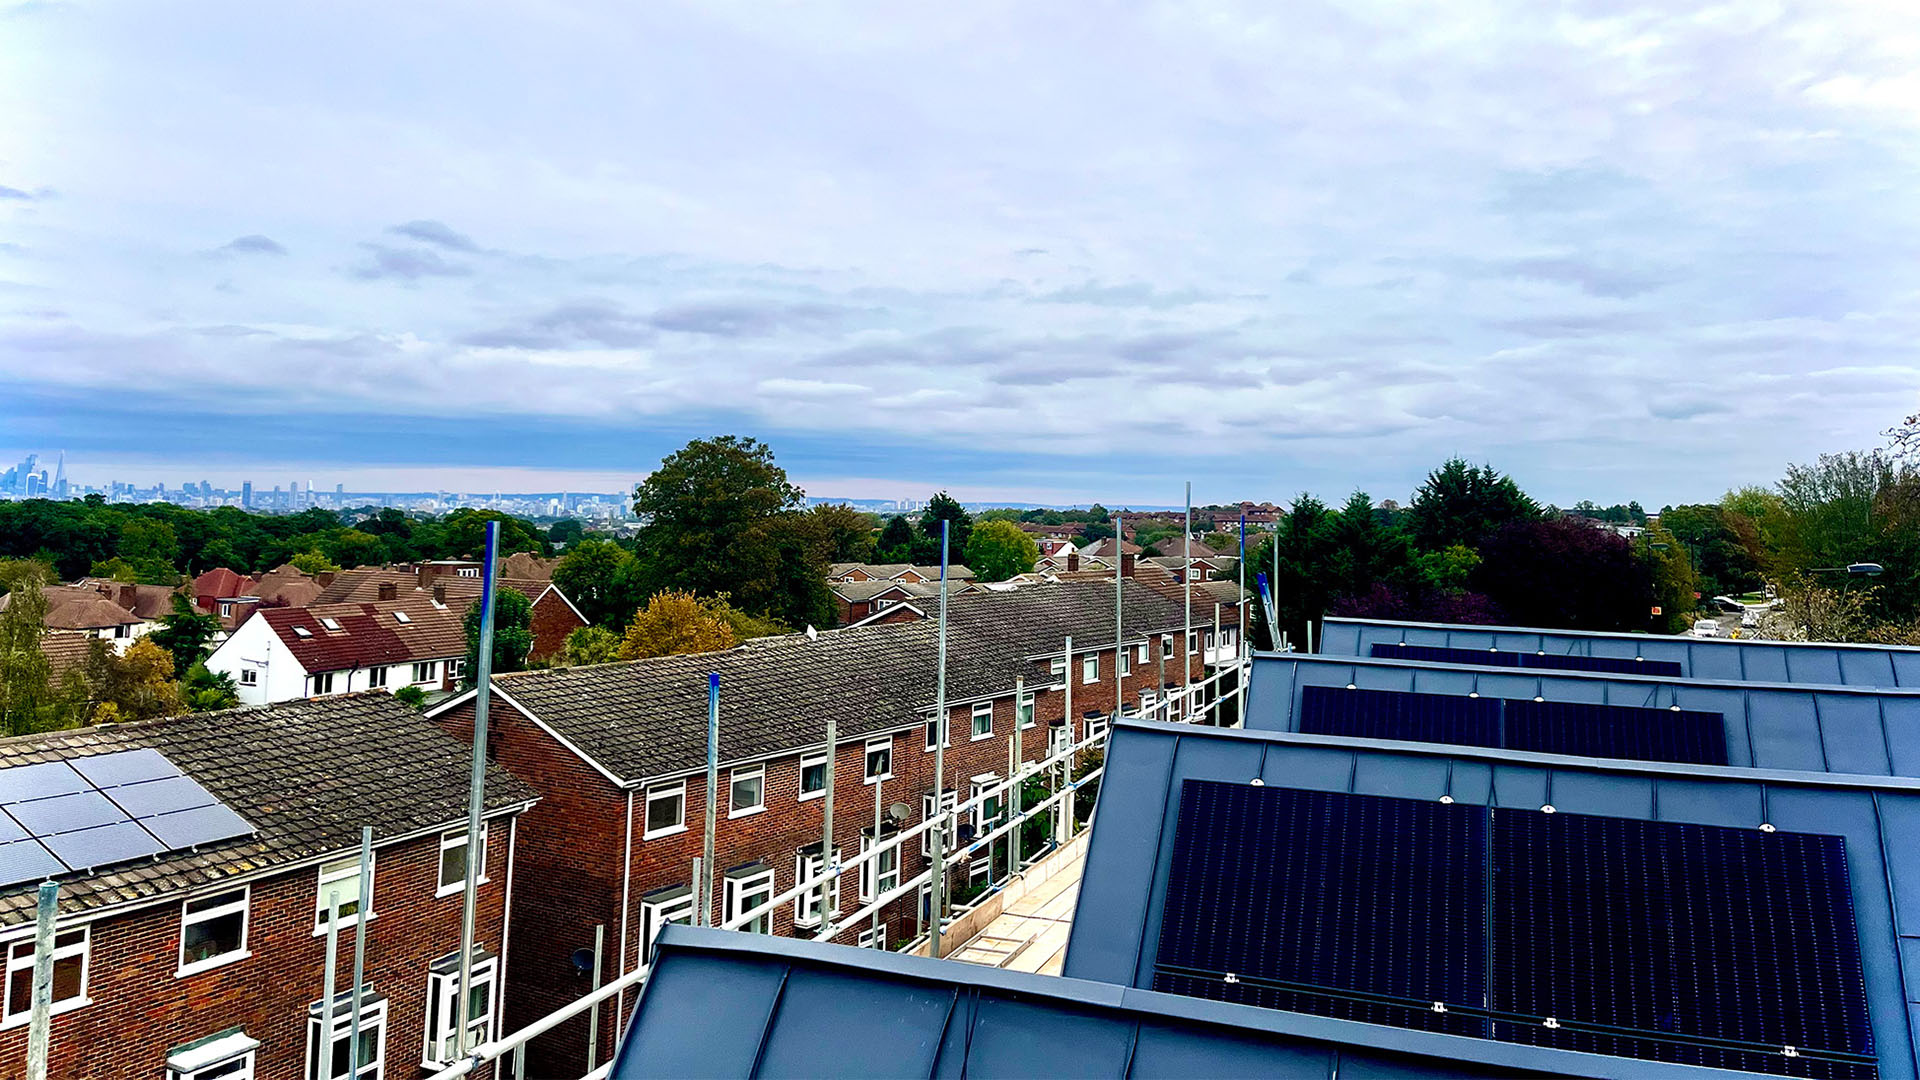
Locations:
(127, 595)
(1073, 561)
(1126, 564)
(324, 578)
(440, 595)
(389, 590)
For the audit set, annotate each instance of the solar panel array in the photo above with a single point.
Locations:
(60, 817)
(1618, 665)
(1548, 727)
(1702, 945)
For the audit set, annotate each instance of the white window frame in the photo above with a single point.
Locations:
(1057, 666)
(238, 1066)
(871, 938)
(20, 955)
(742, 775)
(1193, 642)
(979, 785)
(1090, 669)
(1193, 573)
(807, 869)
(1096, 726)
(657, 913)
(743, 893)
(457, 838)
(426, 671)
(377, 676)
(945, 724)
(816, 758)
(322, 682)
(1140, 653)
(1025, 708)
(189, 918)
(662, 792)
(372, 1014)
(249, 676)
(982, 710)
(442, 1011)
(343, 870)
(1125, 656)
(948, 800)
(885, 742)
(1166, 646)
(877, 867)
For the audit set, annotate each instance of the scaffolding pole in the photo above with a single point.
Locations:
(939, 897)
(476, 785)
(1186, 582)
(360, 948)
(705, 897)
(39, 1043)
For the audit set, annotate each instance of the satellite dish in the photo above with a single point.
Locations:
(812, 634)
(583, 960)
(898, 811)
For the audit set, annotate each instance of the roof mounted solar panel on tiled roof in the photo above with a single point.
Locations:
(124, 767)
(27, 860)
(40, 781)
(118, 841)
(1619, 665)
(196, 825)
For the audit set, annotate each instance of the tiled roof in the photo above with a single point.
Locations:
(362, 586)
(305, 774)
(220, 583)
(64, 653)
(861, 591)
(369, 633)
(526, 565)
(647, 718)
(893, 570)
(150, 602)
(71, 607)
(286, 585)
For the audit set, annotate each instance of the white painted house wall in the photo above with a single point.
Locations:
(254, 647)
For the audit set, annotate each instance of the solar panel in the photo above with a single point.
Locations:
(1702, 945)
(1367, 909)
(124, 767)
(119, 841)
(1619, 665)
(1548, 727)
(1695, 944)
(41, 781)
(26, 860)
(104, 809)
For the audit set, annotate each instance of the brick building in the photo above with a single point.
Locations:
(449, 583)
(618, 754)
(280, 654)
(209, 961)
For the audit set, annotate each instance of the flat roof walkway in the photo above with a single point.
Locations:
(1029, 931)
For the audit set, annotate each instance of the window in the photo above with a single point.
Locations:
(376, 677)
(880, 874)
(1140, 653)
(468, 571)
(813, 775)
(331, 624)
(1090, 668)
(69, 975)
(323, 683)
(660, 907)
(879, 759)
(227, 1055)
(666, 810)
(747, 792)
(748, 887)
(1126, 665)
(453, 861)
(443, 1004)
(1146, 700)
(213, 931)
(298, 631)
(807, 867)
(328, 1037)
(249, 676)
(986, 810)
(1193, 574)
(1059, 738)
(402, 617)
(1193, 642)
(1024, 709)
(1057, 666)
(457, 669)
(983, 720)
(948, 800)
(937, 729)
(1166, 646)
(425, 672)
(341, 878)
(1096, 727)
(226, 608)
(871, 938)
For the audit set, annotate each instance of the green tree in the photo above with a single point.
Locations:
(675, 623)
(781, 568)
(601, 579)
(411, 695)
(1465, 504)
(217, 554)
(512, 633)
(997, 550)
(566, 531)
(312, 562)
(208, 691)
(846, 533)
(896, 542)
(28, 701)
(590, 645)
(942, 507)
(704, 502)
(1670, 569)
(135, 685)
(463, 535)
(185, 634)
(351, 547)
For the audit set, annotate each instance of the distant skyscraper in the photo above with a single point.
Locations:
(60, 477)
(246, 493)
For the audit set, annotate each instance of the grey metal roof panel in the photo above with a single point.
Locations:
(729, 1004)
(1812, 663)
(1769, 726)
(1116, 926)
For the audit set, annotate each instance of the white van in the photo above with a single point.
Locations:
(1706, 628)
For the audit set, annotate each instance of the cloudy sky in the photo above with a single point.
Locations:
(1051, 252)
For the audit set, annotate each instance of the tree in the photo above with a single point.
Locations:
(28, 702)
(208, 691)
(1675, 589)
(464, 535)
(412, 696)
(1465, 504)
(312, 562)
(675, 623)
(600, 577)
(846, 532)
(1222, 542)
(185, 634)
(351, 547)
(135, 685)
(590, 645)
(217, 554)
(896, 542)
(942, 507)
(1565, 574)
(1304, 585)
(997, 550)
(512, 633)
(703, 504)
(566, 531)
(782, 570)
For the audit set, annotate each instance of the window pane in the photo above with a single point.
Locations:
(20, 991)
(813, 777)
(663, 811)
(213, 937)
(453, 866)
(66, 976)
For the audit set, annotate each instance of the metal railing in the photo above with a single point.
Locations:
(1181, 705)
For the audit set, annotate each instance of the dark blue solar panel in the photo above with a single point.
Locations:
(1729, 943)
(1383, 714)
(1548, 727)
(199, 825)
(124, 767)
(103, 844)
(142, 806)
(41, 781)
(26, 860)
(65, 813)
(10, 830)
(160, 796)
(1620, 665)
(1361, 908)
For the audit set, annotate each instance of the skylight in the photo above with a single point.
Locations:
(401, 616)
(301, 631)
(331, 624)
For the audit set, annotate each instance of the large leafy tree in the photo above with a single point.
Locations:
(185, 634)
(997, 550)
(846, 533)
(896, 542)
(1465, 504)
(135, 685)
(942, 507)
(1565, 573)
(702, 505)
(512, 633)
(28, 701)
(590, 645)
(602, 580)
(1304, 585)
(676, 622)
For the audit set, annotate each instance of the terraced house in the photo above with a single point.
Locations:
(196, 858)
(618, 753)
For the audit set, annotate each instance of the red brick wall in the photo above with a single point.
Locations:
(140, 1009)
(553, 620)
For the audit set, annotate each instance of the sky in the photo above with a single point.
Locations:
(1034, 252)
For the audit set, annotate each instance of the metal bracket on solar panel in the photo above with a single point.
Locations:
(1473, 693)
(1674, 708)
(1547, 809)
(1446, 800)
(1232, 978)
(1790, 1051)
(1351, 686)
(1257, 782)
(1537, 697)
(1766, 826)
(1550, 1022)
(1439, 1006)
